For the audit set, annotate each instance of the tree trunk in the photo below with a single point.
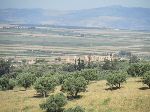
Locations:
(88, 81)
(119, 85)
(44, 95)
(76, 94)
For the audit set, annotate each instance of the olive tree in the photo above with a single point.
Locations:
(5, 66)
(135, 70)
(12, 84)
(45, 84)
(7, 84)
(74, 85)
(25, 80)
(89, 74)
(4, 83)
(54, 103)
(133, 59)
(110, 65)
(146, 78)
(116, 79)
(138, 69)
(145, 68)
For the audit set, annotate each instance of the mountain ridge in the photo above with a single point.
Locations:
(118, 17)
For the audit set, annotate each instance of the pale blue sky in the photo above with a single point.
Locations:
(71, 4)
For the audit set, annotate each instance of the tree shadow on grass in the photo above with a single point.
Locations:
(138, 81)
(15, 91)
(38, 96)
(70, 98)
(22, 90)
(143, 88)
(112, 89)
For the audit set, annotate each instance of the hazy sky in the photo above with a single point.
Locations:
(71, 4)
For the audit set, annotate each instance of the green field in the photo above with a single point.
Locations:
(132, 97)
(52, 42)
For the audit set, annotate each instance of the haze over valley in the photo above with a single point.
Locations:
(118, 17)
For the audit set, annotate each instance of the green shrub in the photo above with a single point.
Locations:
(54, 103)
(146, 78)
(75, 109)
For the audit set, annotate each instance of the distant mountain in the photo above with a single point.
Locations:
(110, 17)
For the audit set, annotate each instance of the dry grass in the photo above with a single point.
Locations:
(16, 100)
(130, 98)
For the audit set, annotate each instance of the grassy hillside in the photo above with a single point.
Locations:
(132, 97)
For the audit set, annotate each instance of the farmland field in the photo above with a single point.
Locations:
(51, 42)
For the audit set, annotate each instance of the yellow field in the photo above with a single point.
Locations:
(132, 97)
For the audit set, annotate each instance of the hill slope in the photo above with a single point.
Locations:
(112, 17)
(132, 97)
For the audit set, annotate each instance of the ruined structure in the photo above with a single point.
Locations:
(89, 58)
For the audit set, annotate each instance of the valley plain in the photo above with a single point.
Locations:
(51, 42)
